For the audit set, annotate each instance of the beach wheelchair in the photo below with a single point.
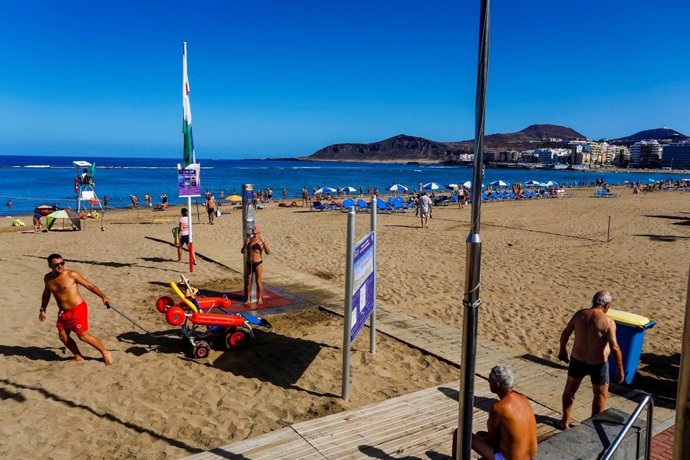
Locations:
(202, 328)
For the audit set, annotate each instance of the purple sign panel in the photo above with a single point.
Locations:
(363, 284)
(188, 180)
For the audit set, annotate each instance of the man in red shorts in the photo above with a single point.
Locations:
(73, 315)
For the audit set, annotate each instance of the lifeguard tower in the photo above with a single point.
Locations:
(85, 187)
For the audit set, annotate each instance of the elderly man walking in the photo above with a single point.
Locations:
(595, 339)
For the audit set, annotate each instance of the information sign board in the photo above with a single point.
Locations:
(363, 284)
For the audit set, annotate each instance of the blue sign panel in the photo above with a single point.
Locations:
(363, 284)
(188, 180)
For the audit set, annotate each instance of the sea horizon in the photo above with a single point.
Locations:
(42, 179)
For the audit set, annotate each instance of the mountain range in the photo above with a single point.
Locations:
(418, 149)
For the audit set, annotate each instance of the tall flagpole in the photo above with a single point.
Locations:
(471, 299)
(189, 156)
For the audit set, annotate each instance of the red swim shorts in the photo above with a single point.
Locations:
(75, 319)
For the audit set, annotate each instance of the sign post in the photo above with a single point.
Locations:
(189, 185)
(188, 178)
(360, 291)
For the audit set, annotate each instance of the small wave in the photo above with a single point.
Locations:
(36, 166)
(306, 167)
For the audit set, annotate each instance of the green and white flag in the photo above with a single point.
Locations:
(188, 156)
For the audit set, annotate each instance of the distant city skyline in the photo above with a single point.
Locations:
(277, 79)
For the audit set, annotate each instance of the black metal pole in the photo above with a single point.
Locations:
(471, 299)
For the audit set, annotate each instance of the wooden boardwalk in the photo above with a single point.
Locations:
(417, 425)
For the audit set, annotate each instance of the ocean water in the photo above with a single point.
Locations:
(31, 181)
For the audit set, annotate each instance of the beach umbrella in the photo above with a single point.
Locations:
(452, 186)
(234, 198)
(552, 183)
(431, 186)
(63, 214)
(532, 182)
(498, 183)
(653, 181)
(323, 190)
(348, 189)
(685, 180)
(397, 188)
(468, 184)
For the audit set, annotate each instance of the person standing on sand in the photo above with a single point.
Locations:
(254, 247)
(305, 197)
(183, 234)
(595, 339)
(64, 284)
(211, 207)
(424, 209)
(512, 427)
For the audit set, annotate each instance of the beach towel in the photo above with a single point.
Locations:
(176, 235)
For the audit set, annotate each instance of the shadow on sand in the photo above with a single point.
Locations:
(68, 403)
(274, 359)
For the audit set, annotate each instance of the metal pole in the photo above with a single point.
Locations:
(191, 244)
(681, 443)
(248, 232)
(647, 401)
(372, 317)
(471, 299)
(349, 276)
(608, 232)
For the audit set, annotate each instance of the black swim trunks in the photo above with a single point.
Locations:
(599, 373)
(253, 265)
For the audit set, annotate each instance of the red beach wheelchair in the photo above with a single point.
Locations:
(202, 328)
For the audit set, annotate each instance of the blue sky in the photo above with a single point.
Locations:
(278, 78)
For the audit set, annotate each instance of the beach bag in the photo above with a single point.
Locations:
(218, 213)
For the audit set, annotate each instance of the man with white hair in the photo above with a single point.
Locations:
(512, 427)
(595, 339)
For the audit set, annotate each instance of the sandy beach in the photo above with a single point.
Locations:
(541, 261)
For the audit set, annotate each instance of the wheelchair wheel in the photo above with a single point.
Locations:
(237, 338)
(175, 316)
(201, 350)
(163, 303)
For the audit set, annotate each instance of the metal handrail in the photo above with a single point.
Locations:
(648, 402)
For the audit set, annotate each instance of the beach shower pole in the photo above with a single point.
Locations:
(471, 301)
(248, 232)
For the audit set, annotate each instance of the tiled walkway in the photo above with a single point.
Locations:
(662, 445)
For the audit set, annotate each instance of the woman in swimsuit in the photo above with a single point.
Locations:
(255, 247)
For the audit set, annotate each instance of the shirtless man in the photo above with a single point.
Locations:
(595, 339)
(512, 426)
(255, 247)
(73, 315)
(211, 207)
